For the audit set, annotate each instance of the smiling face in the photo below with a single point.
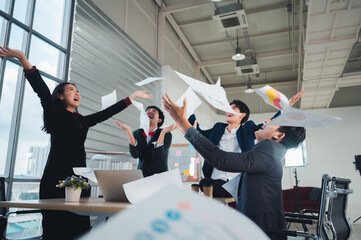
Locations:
(234, 118)
(269, 132)
(153, 115)
(70, 97)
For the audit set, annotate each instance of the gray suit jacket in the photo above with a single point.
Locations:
(260, 186)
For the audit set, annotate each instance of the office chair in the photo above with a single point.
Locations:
(4, 215)
(336, 216)
(319, 219)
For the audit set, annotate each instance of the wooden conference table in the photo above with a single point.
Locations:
(92, 206)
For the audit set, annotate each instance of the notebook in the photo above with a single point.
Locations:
(111, 183)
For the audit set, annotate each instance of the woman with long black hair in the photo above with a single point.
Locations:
(68, 130)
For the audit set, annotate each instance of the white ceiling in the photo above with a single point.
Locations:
(330, 29)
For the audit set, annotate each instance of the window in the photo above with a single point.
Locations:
(40, 29)
(296, 157)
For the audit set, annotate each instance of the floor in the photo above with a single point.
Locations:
(355, 235)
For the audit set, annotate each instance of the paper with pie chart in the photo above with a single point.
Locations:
(273, 97)
(300, 118)
(175, 213)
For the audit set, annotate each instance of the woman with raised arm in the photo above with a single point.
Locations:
(68, 130)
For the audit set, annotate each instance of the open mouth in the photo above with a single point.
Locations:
(151, 116)
(76, 99)
(229, 115)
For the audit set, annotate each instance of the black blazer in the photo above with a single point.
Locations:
(151, 160)
(261, 183)
(245, 138)
(68, 132)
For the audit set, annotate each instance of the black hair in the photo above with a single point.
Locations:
(160, 113)
(294, 136)
(243, 108)
(59, 89)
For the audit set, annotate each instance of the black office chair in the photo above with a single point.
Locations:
(337, 217)
(318, 218)
(4, 214)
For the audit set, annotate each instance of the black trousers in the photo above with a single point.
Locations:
(218, 190)
(60, 225)
(271, 220)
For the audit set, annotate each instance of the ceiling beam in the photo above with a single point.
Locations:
(248, 12)
(259, 35)
(186, 43)
(185, 6)
(278, 85)
(262, 70)
(264, 55)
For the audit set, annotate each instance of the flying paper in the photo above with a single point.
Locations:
(144, 119)
(273, 97)
(213, 94)
(85, 172)
(193, 101)
(141, 189)
(300, 118)
(101, 157)
(175, 213)
(109, 99)
(232, 186)
(148, 80)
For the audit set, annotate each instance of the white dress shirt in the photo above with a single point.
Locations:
(227, 143)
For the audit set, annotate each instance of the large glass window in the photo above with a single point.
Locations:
(33, 144)
(22, 10)
(7, 100)
(40, 29)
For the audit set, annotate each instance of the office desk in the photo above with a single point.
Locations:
(92, 206)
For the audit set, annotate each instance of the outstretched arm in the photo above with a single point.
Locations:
(140, 94)
(129, 132)
(164, 132)
(8, 52)
(296, 97)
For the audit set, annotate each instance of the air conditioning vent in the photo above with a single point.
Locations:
(247, 67)
(230, 17)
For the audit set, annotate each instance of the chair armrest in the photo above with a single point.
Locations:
(301, 216)
(299, 220)
(303, 211)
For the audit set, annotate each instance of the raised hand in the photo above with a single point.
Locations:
(169, 128)
(8, 52)
(177, 113)
(295, 98)
(124, 126)
(140, 94)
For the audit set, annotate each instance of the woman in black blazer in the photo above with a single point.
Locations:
(68, 130)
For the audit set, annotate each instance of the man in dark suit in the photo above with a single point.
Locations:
(237, 135)
(152, 148)
(260, 188)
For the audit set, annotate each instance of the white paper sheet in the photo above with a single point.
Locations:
(213, 94)
(109, 99)
(85, 172)
(193, 101)
(273, 97)
(232, 186)
(144, 119)
(101, 157)
(300, 118)
(177, 214)
(148, 80)
(141, 189)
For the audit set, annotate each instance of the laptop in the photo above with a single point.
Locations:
(111, 183)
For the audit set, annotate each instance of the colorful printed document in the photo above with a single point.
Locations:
(175, 213)
(193, 101)
(141, 189)
(300, 118)
(273, 97)
(213, 94)
(109, 100)
(144, 119)
(85, 172)
(148, 80)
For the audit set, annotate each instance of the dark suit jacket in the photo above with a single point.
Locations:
(245, 138)
(68, 132)
(261, 183)
(151, 160)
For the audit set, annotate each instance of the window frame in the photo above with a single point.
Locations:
(20, 87)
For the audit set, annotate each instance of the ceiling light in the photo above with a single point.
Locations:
(249, 87)
(216, 0)
(238, 55)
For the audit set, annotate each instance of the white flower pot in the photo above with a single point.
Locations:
(72, 194)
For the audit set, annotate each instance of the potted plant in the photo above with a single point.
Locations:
(73, 186)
